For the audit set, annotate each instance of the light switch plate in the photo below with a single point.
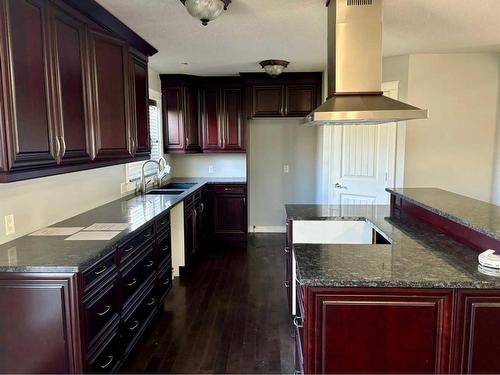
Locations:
(10, 226)
(286, 168)
(210, 169)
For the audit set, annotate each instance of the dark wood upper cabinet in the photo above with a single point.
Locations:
(73, 134)
(140, 95)
(110, 80)
(181, 123)
(288, 95)
(267, 101)
(222, 117)
(70, 98)
(25, 62)
(301, 99)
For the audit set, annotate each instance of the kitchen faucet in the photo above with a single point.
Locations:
(143, 180)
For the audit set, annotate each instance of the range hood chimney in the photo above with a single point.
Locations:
(355, 69)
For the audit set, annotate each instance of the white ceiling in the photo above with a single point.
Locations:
(295, 30)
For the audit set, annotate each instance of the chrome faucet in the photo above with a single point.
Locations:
(143, 180)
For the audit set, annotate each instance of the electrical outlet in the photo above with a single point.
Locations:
(210, 169)
(286, 168)
(10, 227)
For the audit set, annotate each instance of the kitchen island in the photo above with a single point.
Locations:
(414, 299)
(75, 306)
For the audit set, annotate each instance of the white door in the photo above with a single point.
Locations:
(363, 160)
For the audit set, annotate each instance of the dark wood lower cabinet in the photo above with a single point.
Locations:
(228, 212)
(87, 321)
(389, 330)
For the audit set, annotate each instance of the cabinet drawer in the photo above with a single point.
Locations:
(163, 225)
(164, 251)
(100, 310)
(135, 244)
(140, 317)
(134, 277)
(108, 358)
(230, 189)
(99, 271)
(164, 283)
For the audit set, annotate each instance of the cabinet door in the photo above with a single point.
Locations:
(300, 100)
(477, 347)
(192, 125)
(229, 217)
(378, 331)
(140, 96)
(110, 79)
(25, 51)
(211, 124)
(268, 101)
(189, 234)
(173, 119)
(234, 133)
(73, 119)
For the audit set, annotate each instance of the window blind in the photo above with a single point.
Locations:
(134, 170)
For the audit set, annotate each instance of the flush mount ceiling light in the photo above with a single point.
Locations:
(274, 67)
(205, 10)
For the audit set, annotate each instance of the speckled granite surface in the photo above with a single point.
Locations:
(475, 214)
(54, 254)
(419, 256)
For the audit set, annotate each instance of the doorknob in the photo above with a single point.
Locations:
(338, 186)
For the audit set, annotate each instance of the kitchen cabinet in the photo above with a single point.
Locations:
(288, 95)
(110, 79)
(91, 319)
(222, 117)
(345, 330)
(195, 224)
(73, 119)
(74, 89)
(181, 125)
(228, 212)
(476, 345)
(140, 101)
(29, 129)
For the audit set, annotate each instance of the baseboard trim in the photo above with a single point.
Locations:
(267, 229)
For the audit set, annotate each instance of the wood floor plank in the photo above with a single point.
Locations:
(229, 314)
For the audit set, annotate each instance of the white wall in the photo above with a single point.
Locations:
(454, 148)
(197, 165)
(274, 143)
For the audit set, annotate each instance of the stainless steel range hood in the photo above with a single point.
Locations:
(355, 69)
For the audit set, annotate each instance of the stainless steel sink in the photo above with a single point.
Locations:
(165, 192)
(179, 185)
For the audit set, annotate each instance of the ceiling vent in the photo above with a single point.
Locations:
(359, 2)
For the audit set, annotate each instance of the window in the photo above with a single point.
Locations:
(134, 170)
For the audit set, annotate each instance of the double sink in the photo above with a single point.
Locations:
(172, 188)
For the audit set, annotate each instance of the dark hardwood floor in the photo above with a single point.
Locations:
(228, 315)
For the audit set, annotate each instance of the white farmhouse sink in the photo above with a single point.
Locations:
(332, 232)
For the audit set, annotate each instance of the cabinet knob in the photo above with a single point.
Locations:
(287, 284)
(287, 249)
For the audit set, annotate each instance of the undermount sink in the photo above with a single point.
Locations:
(165, 192)
(179, 185)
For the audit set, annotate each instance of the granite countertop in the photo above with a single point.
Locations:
(419, 256)
(54, 254)
(475, 214)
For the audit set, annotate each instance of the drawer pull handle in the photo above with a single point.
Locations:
(151, 302)
(134, 326)
(133, 282)
(287, 249)
(227, 189)
(110, 360)
(296, 322)
(128, 249)
(148, 234)
(107, 308)
(101, 270)
(166, 282)
(287, 284)
(149, 264)
(165, 248)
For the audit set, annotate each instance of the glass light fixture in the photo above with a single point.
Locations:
(205, 10)
(274, 67)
